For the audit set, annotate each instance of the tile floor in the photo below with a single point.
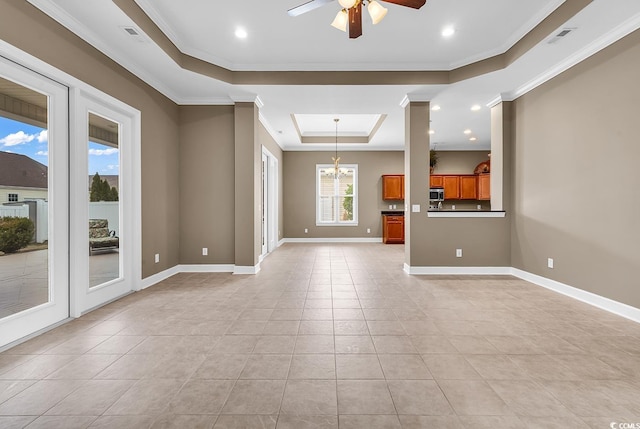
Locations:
(329, 336)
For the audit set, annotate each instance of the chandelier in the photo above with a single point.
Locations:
(336, 158)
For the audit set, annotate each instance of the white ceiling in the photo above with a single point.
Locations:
(406, 39)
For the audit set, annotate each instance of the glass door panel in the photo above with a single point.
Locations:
(104, 201)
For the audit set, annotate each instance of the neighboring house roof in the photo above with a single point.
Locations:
(20, 170)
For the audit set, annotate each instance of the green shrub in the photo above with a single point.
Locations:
(15, 233)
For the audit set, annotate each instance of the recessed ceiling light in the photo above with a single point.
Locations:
(448, 31)
(432, 132)
(435, 107)
(473, 139)
(476, 107)
(467, 131)
(241, 33)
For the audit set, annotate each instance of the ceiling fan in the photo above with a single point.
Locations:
(351, 13)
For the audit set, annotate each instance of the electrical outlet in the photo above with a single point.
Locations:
(550, 262)
(395, 207)
(368, 230)
(390, 206)
(458, 253)
(306, 230)
(205, 251)
(157, 258)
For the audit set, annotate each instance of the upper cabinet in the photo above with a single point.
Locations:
(468, 187)
(484, 186)
(451, 185)
(393, 187)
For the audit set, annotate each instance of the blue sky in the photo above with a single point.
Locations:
(25, 139)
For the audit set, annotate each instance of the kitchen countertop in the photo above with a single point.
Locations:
(392, 212)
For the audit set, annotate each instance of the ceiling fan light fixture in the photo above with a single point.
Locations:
(341, 20)
(376, 11)
(347, 4)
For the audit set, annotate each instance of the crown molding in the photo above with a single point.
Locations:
(599, 44)
(273, 133)
(415, 98)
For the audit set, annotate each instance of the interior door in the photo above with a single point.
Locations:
(34, 146)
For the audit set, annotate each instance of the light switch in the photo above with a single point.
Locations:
(415, 208)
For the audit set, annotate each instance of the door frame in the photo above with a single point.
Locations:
(56, 309)
(83, 298)
(270, 202)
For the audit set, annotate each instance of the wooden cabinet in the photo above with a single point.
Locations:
(468, 187)
(462, 186)
(436, 181)
(392, 229)
(393, 187)
(484, 186)
(451, 185)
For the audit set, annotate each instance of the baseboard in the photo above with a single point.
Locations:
(615, 307)
(281, 242)
(486, 271)
(239, 269)
(158, 277)
(333, 240)
(206, 268)
(601, 302)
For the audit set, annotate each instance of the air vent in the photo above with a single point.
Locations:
(132, 31)
(561, 35)
(134, 34)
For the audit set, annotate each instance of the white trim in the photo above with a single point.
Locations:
(281, 242)
(414, 98)
(457, 270)
(79, 29)
(590, 298)
(333, 240)
(267, 126)
(607, 304)
(247, 98)
(465, 214)
(158, 277)
(238, 269)
(206, 268)
(607, 39)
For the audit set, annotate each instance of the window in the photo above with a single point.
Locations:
(336, 197)
(13, 198)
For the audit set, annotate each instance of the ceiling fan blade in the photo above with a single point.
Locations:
(307, 7)
(355, 21)
(416, 4)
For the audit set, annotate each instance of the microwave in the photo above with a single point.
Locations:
(436, 194)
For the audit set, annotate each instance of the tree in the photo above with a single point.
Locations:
(101, 191)
(347, 203)
(95, 193)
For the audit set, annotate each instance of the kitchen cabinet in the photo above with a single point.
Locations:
(468, 187)
(484, 186)
(451, 185)
(436, 181)
(392, 229)
(393, 187)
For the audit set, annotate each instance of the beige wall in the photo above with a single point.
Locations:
(575, 194)
(459, 161)
(206, 184)
(52, 43)
(432, 241)
(300, 193)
